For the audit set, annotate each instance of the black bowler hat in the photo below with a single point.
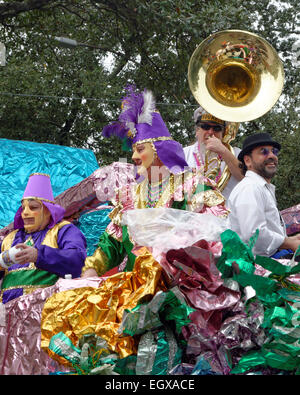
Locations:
(256, 140)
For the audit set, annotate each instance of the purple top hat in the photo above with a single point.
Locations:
(140, 122)
(39, 187)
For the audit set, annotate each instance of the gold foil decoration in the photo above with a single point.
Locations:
(97, 261)
(99, 311)
(210, 198)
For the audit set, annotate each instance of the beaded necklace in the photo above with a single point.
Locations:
(155, 191)
(200, 163)
(162, 199)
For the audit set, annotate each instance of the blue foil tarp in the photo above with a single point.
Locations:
(92, 225)
(66, 166)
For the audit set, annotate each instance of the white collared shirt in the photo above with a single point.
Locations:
(191, 161)
(253, 206)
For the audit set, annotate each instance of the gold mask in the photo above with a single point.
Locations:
(35, 215)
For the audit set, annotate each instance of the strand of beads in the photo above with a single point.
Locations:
(155, 191)
(214, 173)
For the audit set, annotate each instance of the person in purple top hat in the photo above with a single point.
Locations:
(164, 179)
(48, 247)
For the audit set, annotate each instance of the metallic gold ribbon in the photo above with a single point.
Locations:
(99, 311)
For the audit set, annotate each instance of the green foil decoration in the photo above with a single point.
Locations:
(280, 298)
(61, 345)
(157, 353)
(174, 310)
(92, 357)
(143, 317)
(165, 307)
(235, 251)
(126, 365)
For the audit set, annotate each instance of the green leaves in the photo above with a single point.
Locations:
(147, 42)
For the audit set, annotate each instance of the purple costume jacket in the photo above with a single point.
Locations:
(52, 262)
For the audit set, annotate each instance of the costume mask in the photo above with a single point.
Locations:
(143, 156)
(35, 215)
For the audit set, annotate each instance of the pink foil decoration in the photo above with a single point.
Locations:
(201, 284)
(291, 217)
(20, 335)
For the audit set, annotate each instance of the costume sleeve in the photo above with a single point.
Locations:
(68, 258)
(109, 254)
(250, 213)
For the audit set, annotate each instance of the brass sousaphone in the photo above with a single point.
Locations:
(236, 76)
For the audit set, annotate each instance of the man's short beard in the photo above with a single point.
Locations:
(263, 172)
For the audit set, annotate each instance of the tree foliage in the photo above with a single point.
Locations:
(65, 96)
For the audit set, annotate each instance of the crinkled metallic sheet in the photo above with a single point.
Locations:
(84, 310)
(157, 353)
(98, 188)
(92, 225)
(295, 278)
(67, 166)
(20, 331)
(291, 217)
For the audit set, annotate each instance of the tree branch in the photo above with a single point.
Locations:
(11, 9)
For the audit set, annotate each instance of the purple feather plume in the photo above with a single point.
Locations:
(115, 129)
(133, 103)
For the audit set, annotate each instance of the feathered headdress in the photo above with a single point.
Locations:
(137, 108)
(139, 122)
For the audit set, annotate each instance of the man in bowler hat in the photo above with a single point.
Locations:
(253, 203)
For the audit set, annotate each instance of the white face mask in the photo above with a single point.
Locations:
(35, 215)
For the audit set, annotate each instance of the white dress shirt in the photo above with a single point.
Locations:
(253, 206)
(191, 161)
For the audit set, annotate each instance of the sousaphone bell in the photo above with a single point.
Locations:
(235, 75)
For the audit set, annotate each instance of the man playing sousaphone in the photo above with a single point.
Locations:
(209, 146)
(236, 76)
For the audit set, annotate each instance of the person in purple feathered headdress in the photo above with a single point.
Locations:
(143, 130)
(163, 180)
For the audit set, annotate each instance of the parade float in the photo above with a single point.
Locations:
(196, 302)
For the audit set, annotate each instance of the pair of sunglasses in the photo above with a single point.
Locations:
(266, 151)
(207, 126)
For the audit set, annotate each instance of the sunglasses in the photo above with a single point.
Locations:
(266, 151)
(207, 126)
